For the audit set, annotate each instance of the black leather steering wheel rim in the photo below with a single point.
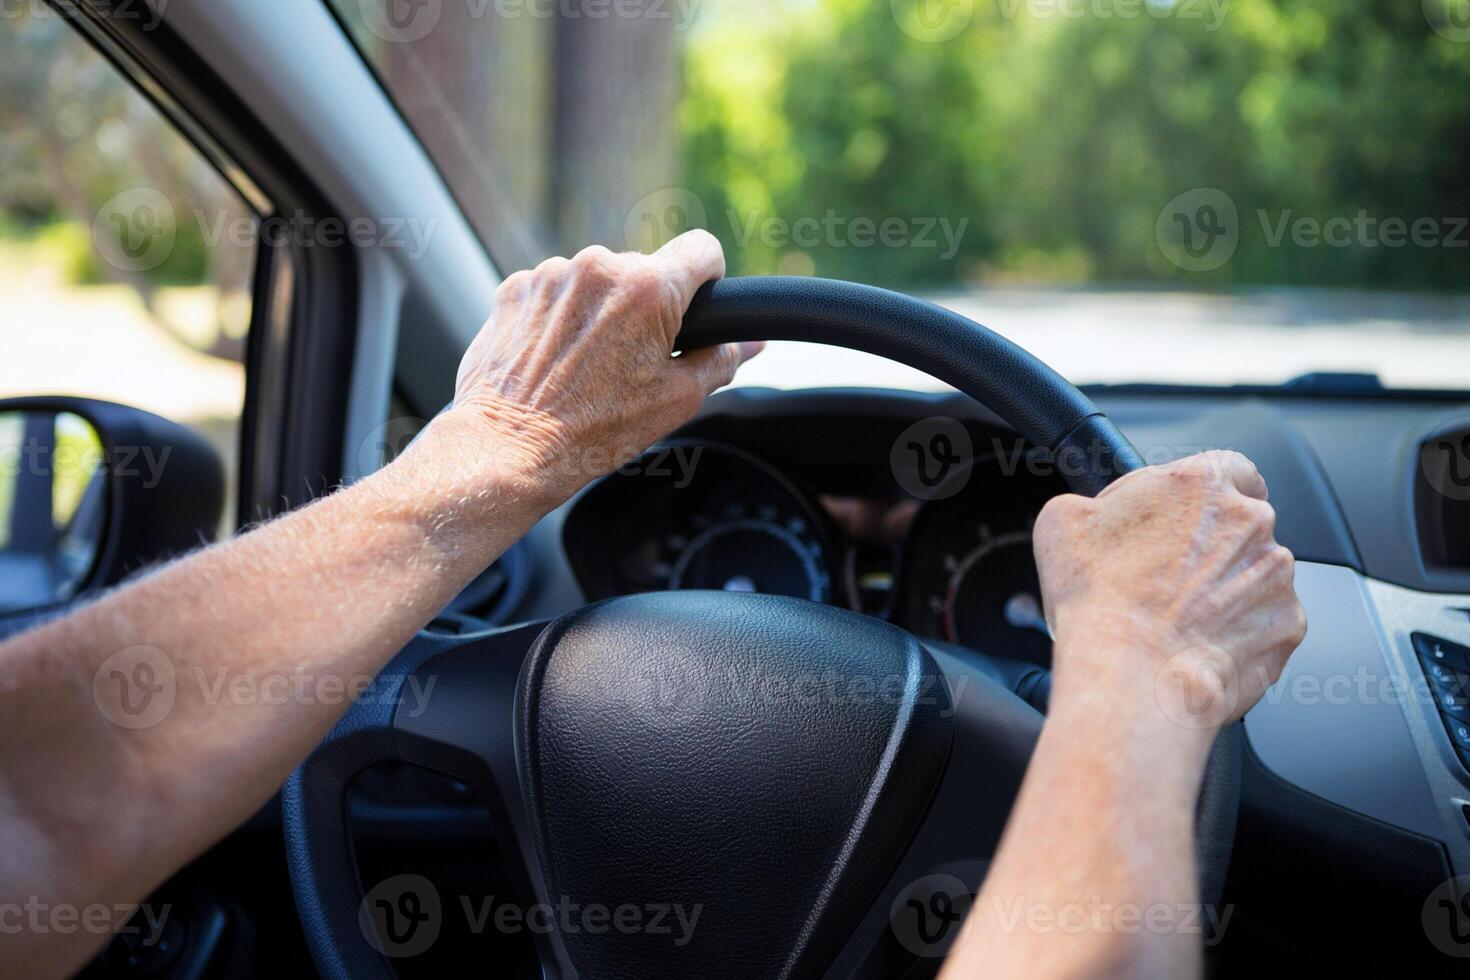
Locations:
(1041, 405)
(1024, 391)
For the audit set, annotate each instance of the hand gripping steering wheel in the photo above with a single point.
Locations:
(812, 784)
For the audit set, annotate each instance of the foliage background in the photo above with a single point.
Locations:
(1062, 138)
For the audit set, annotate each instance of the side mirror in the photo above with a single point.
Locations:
(91, 491)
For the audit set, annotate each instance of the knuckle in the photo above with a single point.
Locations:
(1228, 457)
(1189, 472)
(705, 244)
(1236, 508)
(1263, 516)
(1298, 623)
(594, 260)
(728, 359)
(1279, 562)
(1275, 666)
(1256, 515)
(1060, 513)
(726, 364)
(514, 284)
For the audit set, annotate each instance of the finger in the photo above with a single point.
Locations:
(711, 368)
(689, 261)
(1236, 470)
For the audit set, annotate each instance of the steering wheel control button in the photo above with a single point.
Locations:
(1433, 650)
(1454, 706)
(1460, 732)
(1447, 681)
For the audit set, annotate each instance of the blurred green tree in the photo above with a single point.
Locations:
(1060, 130)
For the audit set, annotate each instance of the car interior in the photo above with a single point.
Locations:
(859, 507)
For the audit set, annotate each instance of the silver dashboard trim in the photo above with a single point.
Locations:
(1351, 719)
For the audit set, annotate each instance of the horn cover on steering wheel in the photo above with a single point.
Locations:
(666, 739)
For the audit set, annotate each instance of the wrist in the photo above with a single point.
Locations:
(465, 484)
(1117, 692)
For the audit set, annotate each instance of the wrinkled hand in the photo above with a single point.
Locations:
(572, 377)
(1168, 594)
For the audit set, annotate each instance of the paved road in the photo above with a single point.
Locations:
(98, 340)
(1134, 335)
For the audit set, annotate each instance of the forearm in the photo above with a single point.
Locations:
(261, 642)
(1098, 846)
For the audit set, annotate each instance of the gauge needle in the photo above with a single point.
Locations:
(1023, 611)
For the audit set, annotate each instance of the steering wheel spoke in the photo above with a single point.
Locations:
(445, 704)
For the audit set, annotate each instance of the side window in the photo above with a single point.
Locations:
(126, 274)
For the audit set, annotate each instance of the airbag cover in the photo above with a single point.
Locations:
(754, 766)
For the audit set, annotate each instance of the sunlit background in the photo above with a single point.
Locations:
(1023, 161)
(1127, 187)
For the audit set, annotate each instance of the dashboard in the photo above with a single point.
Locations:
(904, 527)
(917, 508)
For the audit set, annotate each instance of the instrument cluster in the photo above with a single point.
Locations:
(948, 561)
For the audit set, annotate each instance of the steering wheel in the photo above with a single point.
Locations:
(821, 790)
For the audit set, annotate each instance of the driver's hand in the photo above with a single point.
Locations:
(1168, 595)
(572, 377)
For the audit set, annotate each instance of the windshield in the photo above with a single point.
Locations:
(1193, 191)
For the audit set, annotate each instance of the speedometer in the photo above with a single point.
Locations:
(695, 515)
(756, 554)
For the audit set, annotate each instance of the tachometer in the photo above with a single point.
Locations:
(991, 591)
(969, 573)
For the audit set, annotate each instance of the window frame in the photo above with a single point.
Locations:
(303, 322)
